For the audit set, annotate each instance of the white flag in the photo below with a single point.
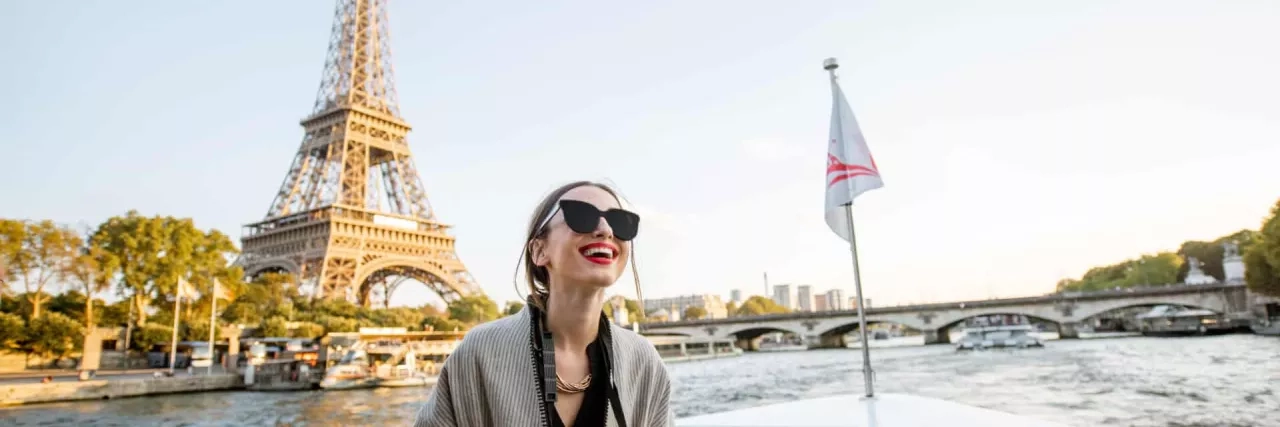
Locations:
(185, 290)
(850, 168)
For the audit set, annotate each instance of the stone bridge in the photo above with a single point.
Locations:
(1066, 310)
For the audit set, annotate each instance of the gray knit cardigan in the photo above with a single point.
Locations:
(489, 380)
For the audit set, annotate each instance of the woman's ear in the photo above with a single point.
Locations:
(537, 253)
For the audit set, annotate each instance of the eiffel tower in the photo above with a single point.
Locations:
(351, 219)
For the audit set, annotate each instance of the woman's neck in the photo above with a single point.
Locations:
(573, 317)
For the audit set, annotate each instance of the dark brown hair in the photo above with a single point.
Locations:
(537, 277)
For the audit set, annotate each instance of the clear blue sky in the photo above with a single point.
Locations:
(1020, 142)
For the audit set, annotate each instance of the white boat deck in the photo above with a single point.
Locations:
(854, 410)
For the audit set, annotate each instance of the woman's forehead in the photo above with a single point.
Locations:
(593, 195)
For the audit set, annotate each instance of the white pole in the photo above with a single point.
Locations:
(830, 65)
(173, 346)
(213, 308)
(862, 314)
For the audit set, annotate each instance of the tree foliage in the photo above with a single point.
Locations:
(36, 253)
(12, 331)
(147, 255)
(757, 305)
(512, 308)
(694, 313)
(53, 335)
(1162, 268)
(473, 309)
(1262, 259)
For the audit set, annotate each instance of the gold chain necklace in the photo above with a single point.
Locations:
(567, 388)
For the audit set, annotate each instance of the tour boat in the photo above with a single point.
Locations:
(998, 331)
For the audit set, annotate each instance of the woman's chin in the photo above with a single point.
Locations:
(596, 279)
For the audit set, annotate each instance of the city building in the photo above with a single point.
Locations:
(782, 296)
(853, 303)
(735, 296)
(835, 299)
(804, 298)
(821, 303)
(675, 306)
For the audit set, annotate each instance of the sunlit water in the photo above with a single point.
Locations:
(1231, 380)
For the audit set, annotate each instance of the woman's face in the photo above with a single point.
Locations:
(593, 259)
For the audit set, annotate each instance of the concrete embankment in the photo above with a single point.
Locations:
(61, 391)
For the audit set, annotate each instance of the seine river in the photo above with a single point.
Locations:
(1223, 381)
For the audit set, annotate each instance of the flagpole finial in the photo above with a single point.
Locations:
(830, 64)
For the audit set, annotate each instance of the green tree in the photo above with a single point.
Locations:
(307, 330)
(11, 331)
(1262, 258)
(694, 313)
(44, 253)
(149, 335)
(89, 271)
(758, 305)
(512, 308)
(271, 294)
(147, 257)
(474, 309)
(338, 324)
(53, 335)
(274, 326)
(441, 324)
(731, 308)
(12, 233)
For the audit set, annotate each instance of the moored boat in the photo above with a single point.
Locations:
(1169, 320)
(683, 349)
(390, 357)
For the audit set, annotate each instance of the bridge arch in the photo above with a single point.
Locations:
(995, 312)
(848, 327)
(747, 332)
(1101, 309)
(391, 272)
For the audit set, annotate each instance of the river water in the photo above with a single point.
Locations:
(1222, 381)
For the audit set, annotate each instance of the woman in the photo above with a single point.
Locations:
(559, 362)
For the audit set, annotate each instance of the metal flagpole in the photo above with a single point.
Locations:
(177, 309)
(213, 308)
(830, 65)
(862, 314)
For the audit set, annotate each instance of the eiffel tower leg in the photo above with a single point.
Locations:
(337, 277)
(355, 170)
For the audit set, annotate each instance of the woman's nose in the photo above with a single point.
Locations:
(603, 229)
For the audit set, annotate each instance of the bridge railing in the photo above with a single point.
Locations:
(1000, 302)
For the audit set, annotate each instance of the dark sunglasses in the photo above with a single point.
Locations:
(583, 218)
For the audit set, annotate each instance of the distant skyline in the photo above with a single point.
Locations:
(1020, 142)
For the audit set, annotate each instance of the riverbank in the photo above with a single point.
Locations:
(23, 393)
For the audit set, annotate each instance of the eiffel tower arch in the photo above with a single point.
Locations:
(352, 216)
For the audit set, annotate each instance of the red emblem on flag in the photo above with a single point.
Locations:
(843, 171)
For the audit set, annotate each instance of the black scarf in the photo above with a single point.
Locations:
(543, 350)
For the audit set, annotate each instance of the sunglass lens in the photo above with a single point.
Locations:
(625, 224)
(581, 217)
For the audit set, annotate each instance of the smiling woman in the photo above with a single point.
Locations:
(577, 368)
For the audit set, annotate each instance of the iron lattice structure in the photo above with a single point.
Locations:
(351, 219)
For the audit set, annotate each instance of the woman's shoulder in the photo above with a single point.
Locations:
(501, 333)
(637, 347)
